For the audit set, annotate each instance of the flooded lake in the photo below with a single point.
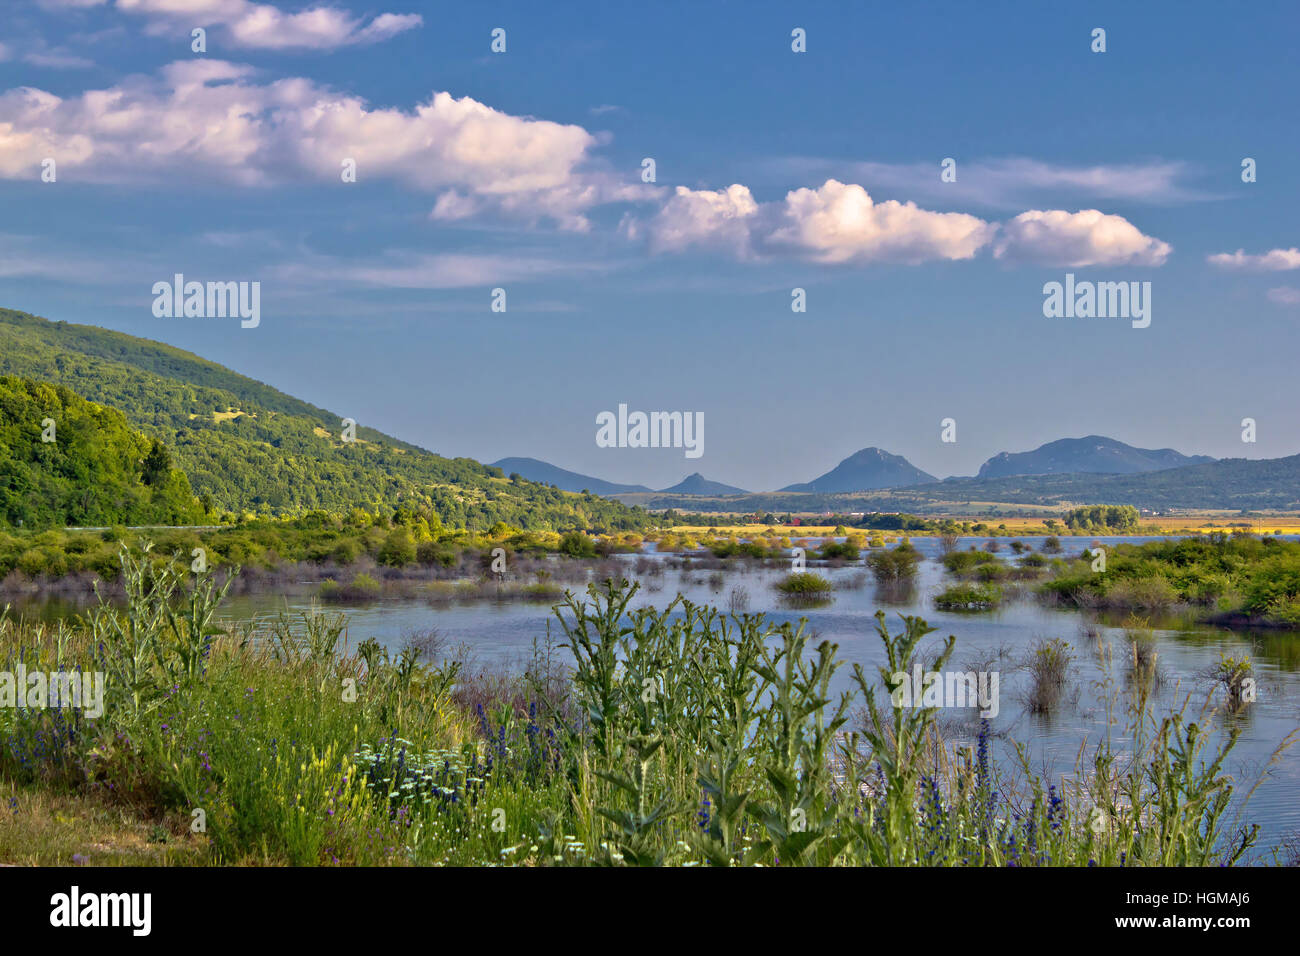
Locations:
(502, 633)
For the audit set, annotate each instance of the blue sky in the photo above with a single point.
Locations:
(774, 170)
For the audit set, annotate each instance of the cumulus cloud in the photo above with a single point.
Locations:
(267, 27)
(213, 119)
(1275, 260)
(840, 222)
(722, 218)
(1085, 238)
(833, 223)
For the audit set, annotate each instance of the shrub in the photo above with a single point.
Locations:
(969, 597)
(844, 552)
(961, 562)
(432, 552)
(364, 587)
(1233, 673)
(575, 544)
(398, 549)
(894, 564)
(347, 551)
(1049, 665)
(991, 571)
(803, 582)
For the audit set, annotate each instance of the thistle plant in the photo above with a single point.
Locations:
(897, 745)
(161, 641)
(797, 734)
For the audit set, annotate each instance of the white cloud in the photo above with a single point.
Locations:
(722, 217)
(209, 119)
(841, 223)
(1085, 238)
(1275, 260)
(1284, 295)
(263, 26)
(834, 223)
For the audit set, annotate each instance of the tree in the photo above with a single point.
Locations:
(398, 550)
(157, 466)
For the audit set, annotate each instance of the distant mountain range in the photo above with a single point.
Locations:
(548, 474)
(697, 484)
(866, 470)
(1094, 455)
(1231, 484)
(533, 469)
(874, 469)
(1100, 471)
(1227, 484)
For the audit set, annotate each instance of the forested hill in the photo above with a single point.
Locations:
(251, 448)
(66, 461)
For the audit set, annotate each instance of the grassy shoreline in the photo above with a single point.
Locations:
(675, 736)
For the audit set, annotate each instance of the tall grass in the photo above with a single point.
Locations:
(676, 736)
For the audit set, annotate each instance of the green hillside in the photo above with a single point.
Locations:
(66, 461)
(247, 447)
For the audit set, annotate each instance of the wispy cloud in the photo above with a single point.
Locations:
(1007, 182)
(1275, 260)
(261, 25)
(400, 269)
(39, 53)
(30, 257)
